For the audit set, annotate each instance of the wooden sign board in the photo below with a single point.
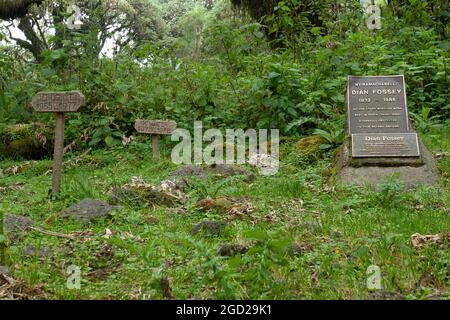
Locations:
(155, 126)
(58, 103)
(69, 101)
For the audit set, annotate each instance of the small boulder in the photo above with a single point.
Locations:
(189, 171)
(15, 223)
(209, 227)
(87, 210)
(138, 192)
(228, 250)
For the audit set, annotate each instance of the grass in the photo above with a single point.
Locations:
(340, 231)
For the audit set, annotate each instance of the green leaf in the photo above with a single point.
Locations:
(325, 146)
(256, 235)
(110, 141)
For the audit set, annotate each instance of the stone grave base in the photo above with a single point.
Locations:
(370, 171)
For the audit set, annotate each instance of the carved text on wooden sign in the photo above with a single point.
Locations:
(155, 126)
(69, 101)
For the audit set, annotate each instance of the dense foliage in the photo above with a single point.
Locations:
(203, 60)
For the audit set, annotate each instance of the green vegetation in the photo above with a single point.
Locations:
(306, 239)
(230, 64)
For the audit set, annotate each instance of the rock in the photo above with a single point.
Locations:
(87, 210)
(15, 223)
(173, 185)
(43, 252)
(309, 147)
(29, 141)
(5, 270)
(371, 171)
(385, 295)
(209, 227)
(140, 193)
(190, 171)
(228, 250)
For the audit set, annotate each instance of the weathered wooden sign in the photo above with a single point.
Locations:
(155, 128)
(378, 117)
(59, 103)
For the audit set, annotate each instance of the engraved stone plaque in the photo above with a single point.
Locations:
(377, 104)
(69, 101)
(385, 145)
(155, 126)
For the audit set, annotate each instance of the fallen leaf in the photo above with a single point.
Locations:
(418, 240)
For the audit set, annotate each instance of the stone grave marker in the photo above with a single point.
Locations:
(378, 118)
(155, 128)
(58, 103)
(380, 139)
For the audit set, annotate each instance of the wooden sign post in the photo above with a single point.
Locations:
(59, 103)
(155, 128)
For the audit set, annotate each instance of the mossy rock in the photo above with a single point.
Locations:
(309, 147)
(27, 141)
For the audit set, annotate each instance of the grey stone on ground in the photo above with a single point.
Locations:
(5, 270)
(43, 252)
(385, 295)
(189, 171)
(87, 210)
(229, 250)
(209, 227)
(371, 171)
(15, 223)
